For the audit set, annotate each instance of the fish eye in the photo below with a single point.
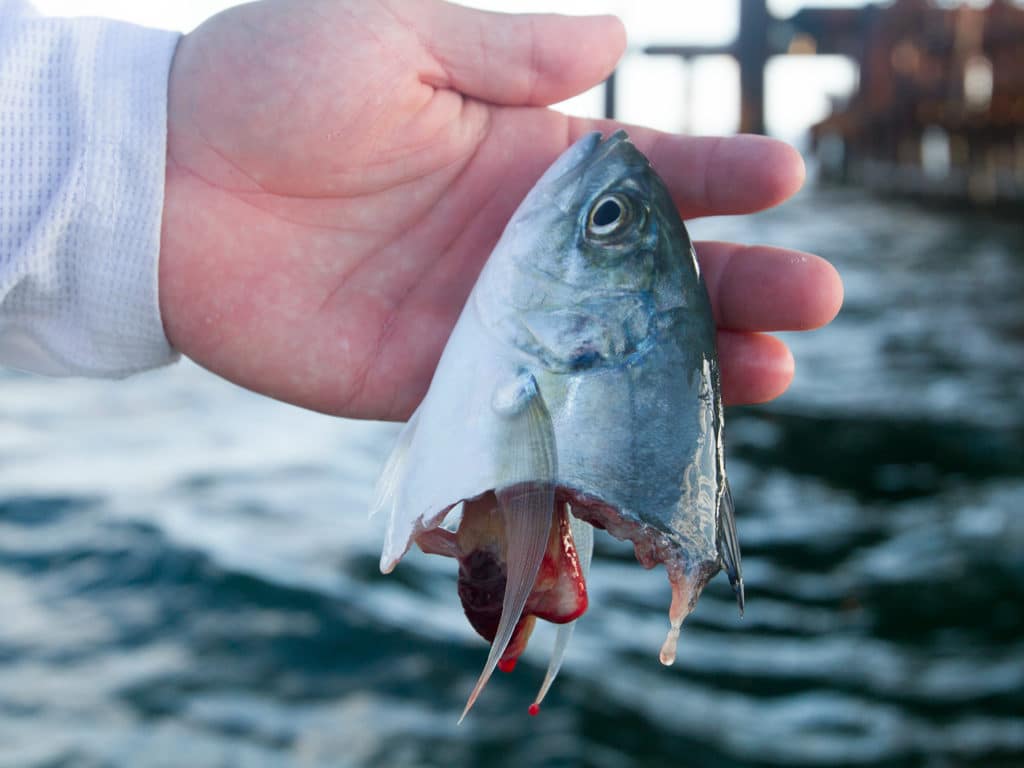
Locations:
(609, 214)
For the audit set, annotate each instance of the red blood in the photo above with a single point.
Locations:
(559, 593)
(534, 709)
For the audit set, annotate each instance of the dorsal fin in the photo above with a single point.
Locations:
(729, 545)
(386, 493)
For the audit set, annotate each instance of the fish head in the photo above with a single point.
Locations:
(579, 390)
(588, 268)
(596, 290)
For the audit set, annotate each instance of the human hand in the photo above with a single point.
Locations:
(339, 170)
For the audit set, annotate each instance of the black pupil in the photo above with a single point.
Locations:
(607, 213)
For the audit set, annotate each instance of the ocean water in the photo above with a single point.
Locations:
(188, 576)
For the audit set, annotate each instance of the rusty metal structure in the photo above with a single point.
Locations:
(758, 39)
(939, 110)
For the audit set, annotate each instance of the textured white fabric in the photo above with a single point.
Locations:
(83, 133)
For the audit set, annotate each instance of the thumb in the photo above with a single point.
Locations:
(519, 59)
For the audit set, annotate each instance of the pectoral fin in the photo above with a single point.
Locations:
(525, 504)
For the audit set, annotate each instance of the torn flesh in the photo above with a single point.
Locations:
(678, 610)
(559, 592)
(484, 544)
(488, 552)
(651, 547)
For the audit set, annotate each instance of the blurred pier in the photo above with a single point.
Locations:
(939, 109)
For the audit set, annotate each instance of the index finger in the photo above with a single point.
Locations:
(712, 176)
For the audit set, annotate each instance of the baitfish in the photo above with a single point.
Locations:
(579, 389)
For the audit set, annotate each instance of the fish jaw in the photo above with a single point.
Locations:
(559, 592)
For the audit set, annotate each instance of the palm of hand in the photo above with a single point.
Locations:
(338, 214)
(331, 197)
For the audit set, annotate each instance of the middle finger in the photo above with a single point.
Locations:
(759, 288)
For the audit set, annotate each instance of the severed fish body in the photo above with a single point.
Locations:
(579, 389)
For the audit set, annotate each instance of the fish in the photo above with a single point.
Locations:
(578, 390)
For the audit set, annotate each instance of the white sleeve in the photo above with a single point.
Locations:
(83, 136)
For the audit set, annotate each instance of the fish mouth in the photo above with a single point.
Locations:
(611, 144)
(587, 150)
